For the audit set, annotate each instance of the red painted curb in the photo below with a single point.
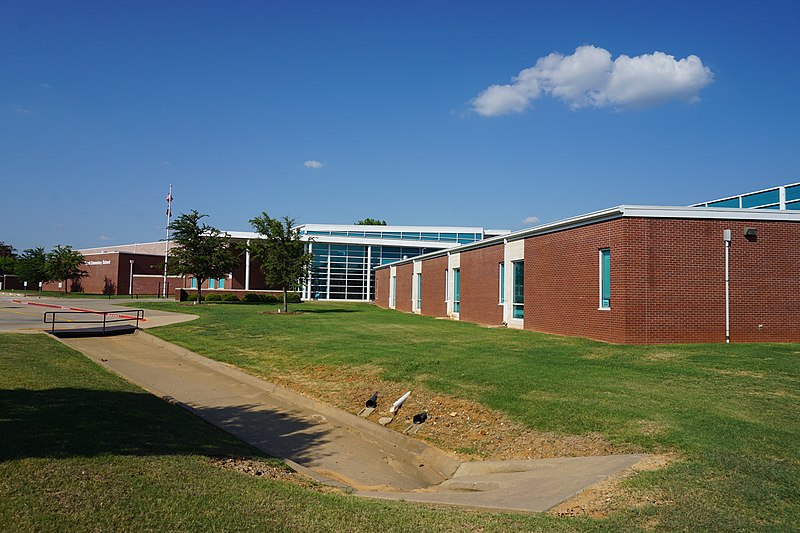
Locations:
(78, 309)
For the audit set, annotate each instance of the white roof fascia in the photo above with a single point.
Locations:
(421, 229)
(336, 239)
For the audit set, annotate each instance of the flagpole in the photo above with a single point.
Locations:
(166, 244)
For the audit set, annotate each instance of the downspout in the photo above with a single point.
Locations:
(727, 237)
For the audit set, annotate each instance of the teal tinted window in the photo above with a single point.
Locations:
(193, 283)
(518, 301)
(211, 284)
(605, 279)
(221, 283)
(761, 198)
(502, 283)
(731, 202)
(394, 290)
(456, 290)
(793, 206)
(793, 193)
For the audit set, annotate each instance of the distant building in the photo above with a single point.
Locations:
(344, 258)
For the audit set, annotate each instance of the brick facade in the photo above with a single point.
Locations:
(382, 287)
(480, 285)
(405, 277)
(666, 276)
(433, 286)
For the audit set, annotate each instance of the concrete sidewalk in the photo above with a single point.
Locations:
(336, 447)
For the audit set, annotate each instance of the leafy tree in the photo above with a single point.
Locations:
(6, 250)
(7, 264)
(282, 254)
(64, 263)
(202, 251)
(30, 266)
(371, 222)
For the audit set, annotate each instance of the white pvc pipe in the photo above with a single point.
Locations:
(396, 405)
(727, 237)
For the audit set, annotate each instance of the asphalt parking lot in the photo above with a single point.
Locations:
(26, 313)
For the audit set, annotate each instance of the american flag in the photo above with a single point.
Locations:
(169, 203)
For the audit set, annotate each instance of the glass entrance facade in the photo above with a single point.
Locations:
(343, 271)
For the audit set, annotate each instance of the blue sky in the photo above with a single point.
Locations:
(104, 104)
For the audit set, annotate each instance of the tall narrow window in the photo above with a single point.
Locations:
(446, 285)
(221, 284)
(502, 283)
(393, 292)
(194, 283)
(456, 290)
(518, 301)
(419, 292)
(211, 284)
(605, 279)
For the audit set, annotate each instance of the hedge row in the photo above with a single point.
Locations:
(292, 297)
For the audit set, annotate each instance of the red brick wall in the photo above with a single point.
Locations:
(684, 299)
(404, 281)
(382, 287)
(480, 285)
(667, 281)
(433, 279)
(562, 282)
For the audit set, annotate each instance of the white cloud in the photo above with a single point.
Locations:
(530, 220)
(21, 110)
(590, 78)
(44, 86)
(106, 238)
(166, 163)
(312, 163)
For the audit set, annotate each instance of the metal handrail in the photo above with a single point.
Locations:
(116, 316)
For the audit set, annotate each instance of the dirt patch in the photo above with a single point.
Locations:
(268, 470)
(469, 429)
(602, 499)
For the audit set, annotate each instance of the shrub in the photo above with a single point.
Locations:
(251, 298)
(269, 299)
(293, 298)
(230, 298)
(213, 297)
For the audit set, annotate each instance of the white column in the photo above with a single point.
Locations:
(369, 271)
(247, 267)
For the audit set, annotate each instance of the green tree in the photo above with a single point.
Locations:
(202, 251)
(371, 222)
(282, 254)
(30, 266)
(64, 264)
(7, 264)
(6, 250)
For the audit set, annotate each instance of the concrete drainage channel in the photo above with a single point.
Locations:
(336, 447)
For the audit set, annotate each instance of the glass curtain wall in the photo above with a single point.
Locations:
(344, 271)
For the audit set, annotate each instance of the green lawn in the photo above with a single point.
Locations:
(83, 450)
(729, 411)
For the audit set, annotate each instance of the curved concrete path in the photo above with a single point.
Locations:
(336, 447)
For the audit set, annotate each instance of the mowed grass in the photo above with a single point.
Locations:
(730, 412)
(83, 450)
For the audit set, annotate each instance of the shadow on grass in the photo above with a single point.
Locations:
(321, 311)
(69, 422)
